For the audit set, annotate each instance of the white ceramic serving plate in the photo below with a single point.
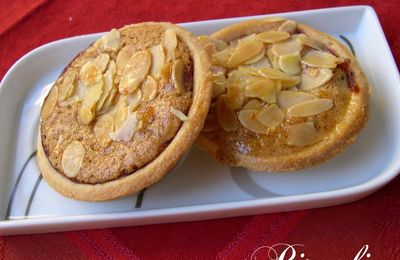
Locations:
(199, 188)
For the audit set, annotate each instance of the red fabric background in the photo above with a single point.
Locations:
(329, 233)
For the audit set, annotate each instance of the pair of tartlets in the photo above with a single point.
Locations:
(279, 96)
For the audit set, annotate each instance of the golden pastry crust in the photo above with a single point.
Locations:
(228, 148)
(183, 134)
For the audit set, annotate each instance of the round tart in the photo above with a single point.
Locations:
(124, 111)
(285, 96)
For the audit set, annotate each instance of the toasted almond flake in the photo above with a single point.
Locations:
(271, 116)
(121, 112)
(85, 115)
(248, 119)
(127, 129)
(290, 82)
(221, 58)
(205, 39)
(157, 59)
(288, 26)
(72, 159)
(49, 103)
(178, 76)
(272, 36)
(149, 88)
(273, 73)
(287, 99)
(290, 63)
(263, 89)
(90, 74)
(165, 71)
(218, 89)
(320, 59)
(109, 77)
(135, 71)
(170, 42)
(210, 48)
(123, 57)
(111, 41)
(226, 117)
(234, 97)
(309, 82)
(289, 46)
(310, 107)
(103, 127)
(263, 62)
(67, 88)
(110, 100)
(309, 42)
(179, 114)
(69, 101)
(80, 89)
(256, 58)
(93, 94)
(303, 134)
(102, 61)
(134, 99)
(245, 50)
(253, 104)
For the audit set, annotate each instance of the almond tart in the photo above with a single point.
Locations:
(124, 111)
(285, 96)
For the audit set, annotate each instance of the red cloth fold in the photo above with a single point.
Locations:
(330, 233)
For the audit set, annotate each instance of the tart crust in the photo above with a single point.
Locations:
(166, 159)
(345, 133)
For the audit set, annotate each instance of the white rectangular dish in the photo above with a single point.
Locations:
(199, 188)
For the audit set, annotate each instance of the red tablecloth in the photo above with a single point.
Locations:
(329, 233)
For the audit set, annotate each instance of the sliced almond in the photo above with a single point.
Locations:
(157, 59)
(123, 57)
(127, 129)
(49, 103)
(170, 43)
(103, 127)
(109, 77)
(149, 88)
(179, 114)
(135, 71)
(262, 63)
(290, 82)
(102, 61)
(263, 89)
(93, 94)
(90, 74)
(234, 97)
(67, 88)
(111, 41)
(309, 42)
(271, 116)
(134, 99)
(226, 117)
(85, 115)
(248, 119)
(273, 36)
(69, 101)
(80, 89)
(221, 58)
(273, 59)
(210, 48)
(273, 73)
(288, 26)
(178, 69)
(287, 99)
(121, 111)
(72, 159)
(310, 107)
(290, 63)
(289, 46)
(256, 58)
(320, 59)
(302, 134)
(165, 71)
(206, 39)
(253, 104)
(245, 50)
(218, 89)
(314, 81)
